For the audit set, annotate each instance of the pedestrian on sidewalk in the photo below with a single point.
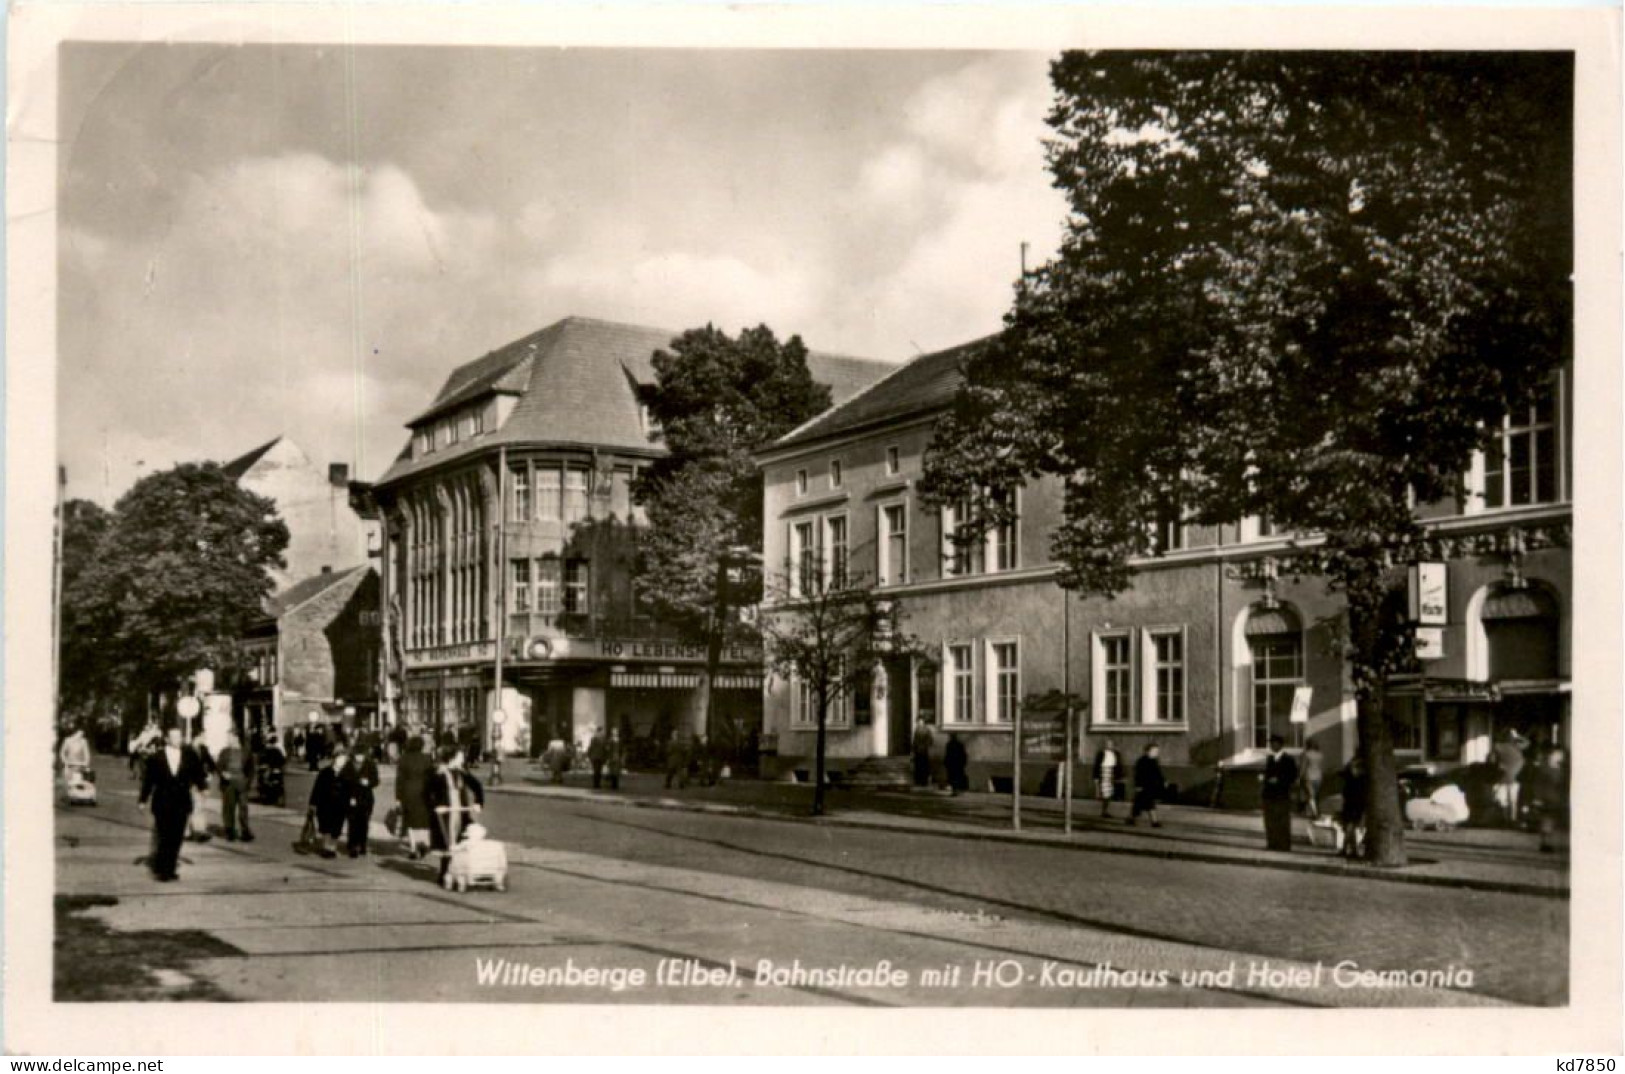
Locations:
(1311, 772)
(597, 754)
(329, 803)
(1279, 778)
(1356, 789)
(236, 780)
(1149, 785)
(455, 799)
(923, 741)
(412, 777)
(956, 761)
(614, 760)
(358, 777)
(1509, 758)
(1108, 770)
(171, 776)
(1547, 785)
(75, 753)
(677, 760)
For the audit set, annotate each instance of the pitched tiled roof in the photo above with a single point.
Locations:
(239, 466)
(923, 385)
(576, 385)
(280, 604)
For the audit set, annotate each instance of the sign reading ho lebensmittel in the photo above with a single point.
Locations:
(1429, 594)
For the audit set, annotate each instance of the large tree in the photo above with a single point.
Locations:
(84, 526)
(181, 571)
(1295, 285)
(715, 400)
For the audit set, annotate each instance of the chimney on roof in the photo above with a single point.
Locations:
(327, 568)
(338, 474)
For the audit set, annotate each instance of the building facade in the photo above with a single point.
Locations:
(1209, 650)
(315, 657)
(324, 532)
(511, 539)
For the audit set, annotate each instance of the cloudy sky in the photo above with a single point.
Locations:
(305, 240)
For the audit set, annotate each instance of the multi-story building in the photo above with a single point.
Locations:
(1205, 654)
(323, 531)
(510, 538)
(314, 657)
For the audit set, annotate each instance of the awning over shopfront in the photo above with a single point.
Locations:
(666, 680)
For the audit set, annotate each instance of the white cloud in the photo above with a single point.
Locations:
(242, 314)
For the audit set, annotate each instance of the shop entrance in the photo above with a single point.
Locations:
(899, 706)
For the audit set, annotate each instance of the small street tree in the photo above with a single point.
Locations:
(177, 577)
(826, 632)
(1303, 286)
(715, 399)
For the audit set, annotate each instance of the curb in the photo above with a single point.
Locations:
(675, 805)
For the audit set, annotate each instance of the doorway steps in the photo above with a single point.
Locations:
(877, 773)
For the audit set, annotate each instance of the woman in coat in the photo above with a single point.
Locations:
(411, 784)
(330, 802)
(455, 798)
(359, 777)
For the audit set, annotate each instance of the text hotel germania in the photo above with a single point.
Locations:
(976, 974)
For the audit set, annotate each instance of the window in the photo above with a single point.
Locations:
(521, 495)
(575, 587)
(476, 421)
(575, 494)
(1115, 689)
(803, 559)
(521, 585)
(804, 704)
(925, 692)
(801, 482)
(835, 474)
(547, 492)
(1168, 670)
(1277, 674)
(894, 461)
(893, 566)
(1002, 540)
(863, 714)
(1167, 532)
(453, 429)
(835, 541)
(425, 441)
(961, 683)
(1520, 464)
(547, 585)
(962, 558)
(1005, 668)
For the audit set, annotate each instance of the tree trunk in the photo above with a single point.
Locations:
(713, 651)
(1384, 823)
(818, 758)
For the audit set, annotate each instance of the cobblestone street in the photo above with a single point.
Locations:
(594, 885)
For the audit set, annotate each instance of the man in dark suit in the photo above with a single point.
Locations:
(171, 775)
(1280, 776)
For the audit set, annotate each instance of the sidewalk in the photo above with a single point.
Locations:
(1471, 858)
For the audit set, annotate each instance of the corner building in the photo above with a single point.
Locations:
(1206, 652)
(509, 524)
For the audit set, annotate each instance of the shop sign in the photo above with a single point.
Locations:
(1430, 643)
(1428, 593)
(1461, 690)
(452, 654)
(634, 649)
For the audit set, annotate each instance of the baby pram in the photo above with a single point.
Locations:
(79, 785)
(476, 860)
